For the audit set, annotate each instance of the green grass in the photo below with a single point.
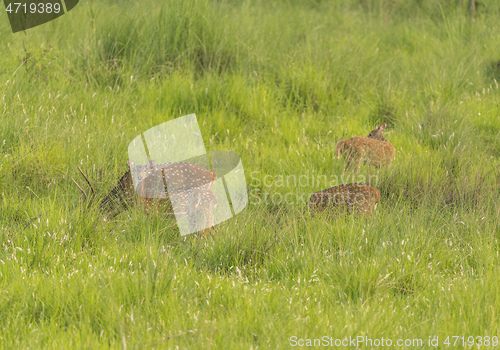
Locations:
(279, 83)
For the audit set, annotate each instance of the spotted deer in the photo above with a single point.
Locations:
(373, 149)
(181, 188)
(349, 198)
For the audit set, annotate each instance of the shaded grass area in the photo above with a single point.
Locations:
(278, 83)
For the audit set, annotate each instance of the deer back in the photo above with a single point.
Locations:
(357, 197)
(374, 151)
(374, 148)
(162, 188)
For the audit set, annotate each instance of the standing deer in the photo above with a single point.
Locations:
(348, 198)
(374, 149)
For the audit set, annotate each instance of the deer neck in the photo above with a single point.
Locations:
(120, 197)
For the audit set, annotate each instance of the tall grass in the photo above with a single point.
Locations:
(279, 83)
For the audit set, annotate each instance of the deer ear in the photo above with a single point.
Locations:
(128, 163)
(382, 127)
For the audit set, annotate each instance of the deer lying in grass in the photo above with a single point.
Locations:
(374, 149)
(189, 193)
(348, 198)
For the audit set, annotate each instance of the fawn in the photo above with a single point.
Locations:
(357, 197)
(374, 149)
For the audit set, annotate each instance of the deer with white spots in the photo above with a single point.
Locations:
(373, 149)
(183, 189)
(349, 198)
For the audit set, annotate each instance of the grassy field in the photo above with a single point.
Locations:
(279, 83)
